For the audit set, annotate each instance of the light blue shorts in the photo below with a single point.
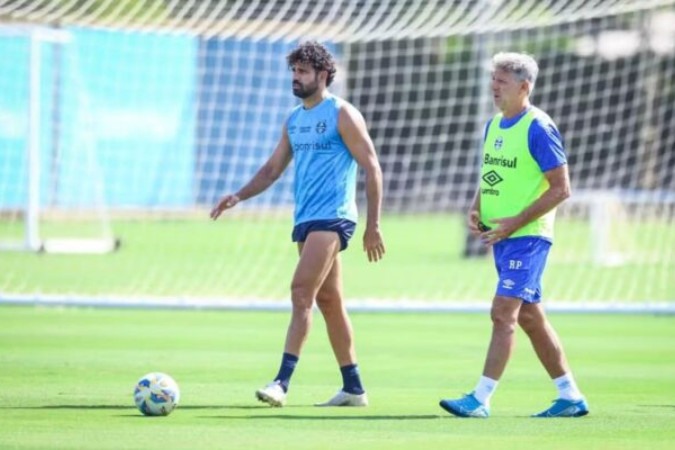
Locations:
(520, 264)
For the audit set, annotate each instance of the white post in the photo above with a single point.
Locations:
(605, 212)
(600, 225)
(32, 238)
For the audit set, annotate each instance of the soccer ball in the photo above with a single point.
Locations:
(156, 394)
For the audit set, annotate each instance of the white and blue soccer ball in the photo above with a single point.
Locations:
(156, 394)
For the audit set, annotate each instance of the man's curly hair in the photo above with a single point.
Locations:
(316, 55)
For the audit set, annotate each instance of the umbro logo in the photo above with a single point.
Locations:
(492, 178)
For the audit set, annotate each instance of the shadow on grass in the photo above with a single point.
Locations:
(103, 407)
(332, 417)
(317, 416)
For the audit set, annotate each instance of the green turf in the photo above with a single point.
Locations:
(248, 257)
(67, 377)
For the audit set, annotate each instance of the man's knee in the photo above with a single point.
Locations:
(504, 313)
(530, 321)
(327, 299)
(302, 295)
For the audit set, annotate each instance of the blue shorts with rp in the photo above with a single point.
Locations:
(344, 229)
(520, 264)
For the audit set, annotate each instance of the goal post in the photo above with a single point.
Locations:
(164, 106)
(28, 203)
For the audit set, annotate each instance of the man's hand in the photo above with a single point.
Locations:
(227, 202)
(504, 228)
(472, 222)
(373, 244)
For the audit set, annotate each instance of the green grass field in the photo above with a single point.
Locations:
(251, 257)
(67, 376)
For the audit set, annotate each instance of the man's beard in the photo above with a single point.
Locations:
(301, 91)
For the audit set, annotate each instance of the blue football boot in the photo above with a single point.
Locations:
(467, 406)
(565, 408)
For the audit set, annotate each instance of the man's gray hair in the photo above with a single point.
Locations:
(522, 65)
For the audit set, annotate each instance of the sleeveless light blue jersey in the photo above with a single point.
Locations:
(325, 170)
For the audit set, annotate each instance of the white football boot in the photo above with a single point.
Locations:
(272, 394)
(343, 398)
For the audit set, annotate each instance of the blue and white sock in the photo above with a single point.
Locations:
(567, 388)
(484, 389)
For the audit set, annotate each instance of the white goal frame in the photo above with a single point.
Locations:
(33, 240)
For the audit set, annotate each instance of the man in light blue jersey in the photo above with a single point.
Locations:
(327, 138)
(524, 177)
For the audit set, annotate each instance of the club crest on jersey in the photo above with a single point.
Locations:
(321, 127)
(499, 142)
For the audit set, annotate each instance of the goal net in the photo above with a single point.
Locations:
(44, 173)
(136, 115)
